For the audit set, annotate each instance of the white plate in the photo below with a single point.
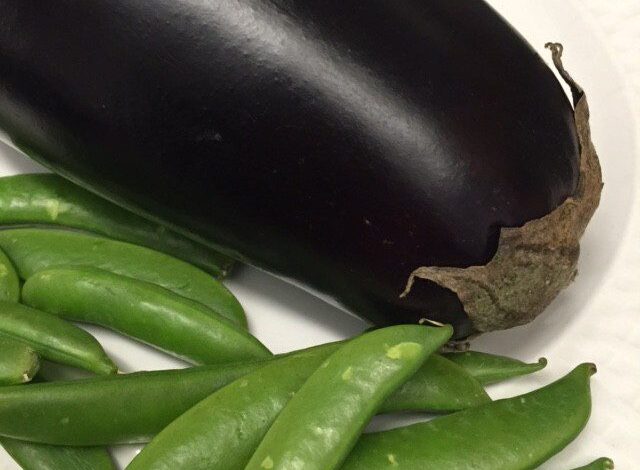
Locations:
(594, 320)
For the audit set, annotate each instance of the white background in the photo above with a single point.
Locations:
(596, 319)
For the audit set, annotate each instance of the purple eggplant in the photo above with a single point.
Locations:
(349, 146)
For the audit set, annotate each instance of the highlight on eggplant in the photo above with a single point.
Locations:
(353, 147)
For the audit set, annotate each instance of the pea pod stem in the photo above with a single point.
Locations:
(539, 424)
(131, 408)
(19, 363)
(603, 463)
(53, 338)
(34, 249)
(51, 200)
(491, 368)
(141, 310)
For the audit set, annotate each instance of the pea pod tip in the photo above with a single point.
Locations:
(591, 367)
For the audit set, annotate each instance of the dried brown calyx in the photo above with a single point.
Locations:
(534, 262)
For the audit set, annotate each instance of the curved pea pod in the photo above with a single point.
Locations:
(322, 421)
(34, 249)
(149, 313)
(53, 338)
(491, 368)
(9, 281)
(32, 456)
(538, 424)
(603, 463)
(47, 199)
(19, 363)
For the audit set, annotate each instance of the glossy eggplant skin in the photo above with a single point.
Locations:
(337, 143)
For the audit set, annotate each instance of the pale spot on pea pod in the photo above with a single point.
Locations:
(267, 463)
(64, 420)
(243, 383)
(52, 207)
(3, 270)
(392, 460)
(347, 374)
(329, 434)
(45, 277)
(15, 204)
(404, 351)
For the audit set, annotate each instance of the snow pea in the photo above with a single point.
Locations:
(145, 311)
(32, 456)
(132, 408)
(322, 422)
(9, 281)
(19, 363)
(490, 368)
(53, 338)
(34, 249)
(51, 200)
(603, 463)
(515, 433)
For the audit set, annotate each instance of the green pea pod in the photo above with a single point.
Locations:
(127, 408)
(36, 249)
(32, 456)
(516, 433)
(51, 200)
(490, 368)
(132, 408)
(19, 363)
(141, 310)
(53, 338)
(603, 463)
(322, 421)
(9, 281)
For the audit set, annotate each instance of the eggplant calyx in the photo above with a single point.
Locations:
(534, 262)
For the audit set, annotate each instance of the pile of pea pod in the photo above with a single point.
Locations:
(67, 255)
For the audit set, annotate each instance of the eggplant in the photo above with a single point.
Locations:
(350, 147)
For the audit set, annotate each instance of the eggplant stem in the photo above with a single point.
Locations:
(535, 261)
(556, 56)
